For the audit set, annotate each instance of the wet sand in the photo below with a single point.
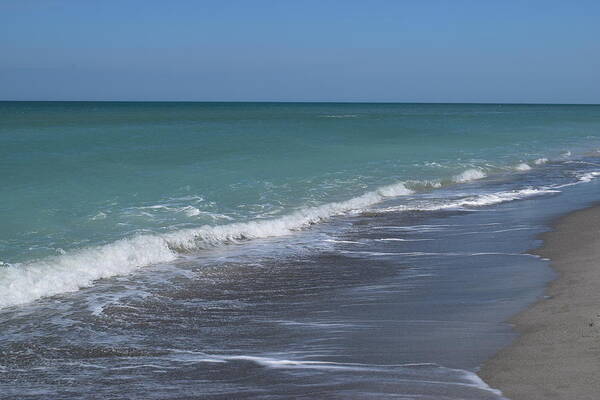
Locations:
(557, 355)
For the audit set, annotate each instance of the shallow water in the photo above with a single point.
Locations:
(336, 286)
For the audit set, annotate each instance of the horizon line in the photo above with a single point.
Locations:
(297, 102)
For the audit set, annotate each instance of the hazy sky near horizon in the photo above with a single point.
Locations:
(346, 50)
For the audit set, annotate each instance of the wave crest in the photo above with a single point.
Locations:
(523, 167)
(469, 175)
(25, 282)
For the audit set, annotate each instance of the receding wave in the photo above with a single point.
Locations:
(473, 201)
(502, 197)
(25, 282)
(437, 375)
(587, 177)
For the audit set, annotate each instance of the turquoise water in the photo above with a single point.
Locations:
(84, 175)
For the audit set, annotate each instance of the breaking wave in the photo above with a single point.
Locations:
(25, 282)
(75, 269)
(469, 175)
(523, 167)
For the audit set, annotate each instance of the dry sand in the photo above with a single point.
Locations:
(557, 355)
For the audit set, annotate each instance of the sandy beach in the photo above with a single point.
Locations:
(558, 352)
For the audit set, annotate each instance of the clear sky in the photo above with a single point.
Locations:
(301, 50)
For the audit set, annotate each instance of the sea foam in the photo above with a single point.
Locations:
(481, 200)
(522, 167)
(25, 282)
(589, 176)
(469, 175)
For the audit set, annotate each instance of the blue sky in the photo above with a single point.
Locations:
(303, 50)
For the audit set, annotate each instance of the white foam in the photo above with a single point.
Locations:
(469, 175)
(476, 382)
(273, 362)
(438, 375)
(191, 239)
(342, 241)
(584, 178)
(401, 240)
(190, 211)
(541, 161)
(25, 282)
(474, 201)
(522, 167)
(587, 177)
(434, 184)
(501, 197)
(98, 216)
(21, 283)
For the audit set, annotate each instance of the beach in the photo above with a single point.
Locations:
(299, 200)
(556, 354)
(277, 250)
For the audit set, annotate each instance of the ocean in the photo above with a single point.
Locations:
(275, 250)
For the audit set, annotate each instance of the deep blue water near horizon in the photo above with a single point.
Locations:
(275, 250)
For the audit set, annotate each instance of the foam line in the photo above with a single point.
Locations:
(25, 282)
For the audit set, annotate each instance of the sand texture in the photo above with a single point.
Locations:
(557, 355)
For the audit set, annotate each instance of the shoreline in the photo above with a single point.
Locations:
(557, 353)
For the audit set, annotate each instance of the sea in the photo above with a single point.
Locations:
(165, 250)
